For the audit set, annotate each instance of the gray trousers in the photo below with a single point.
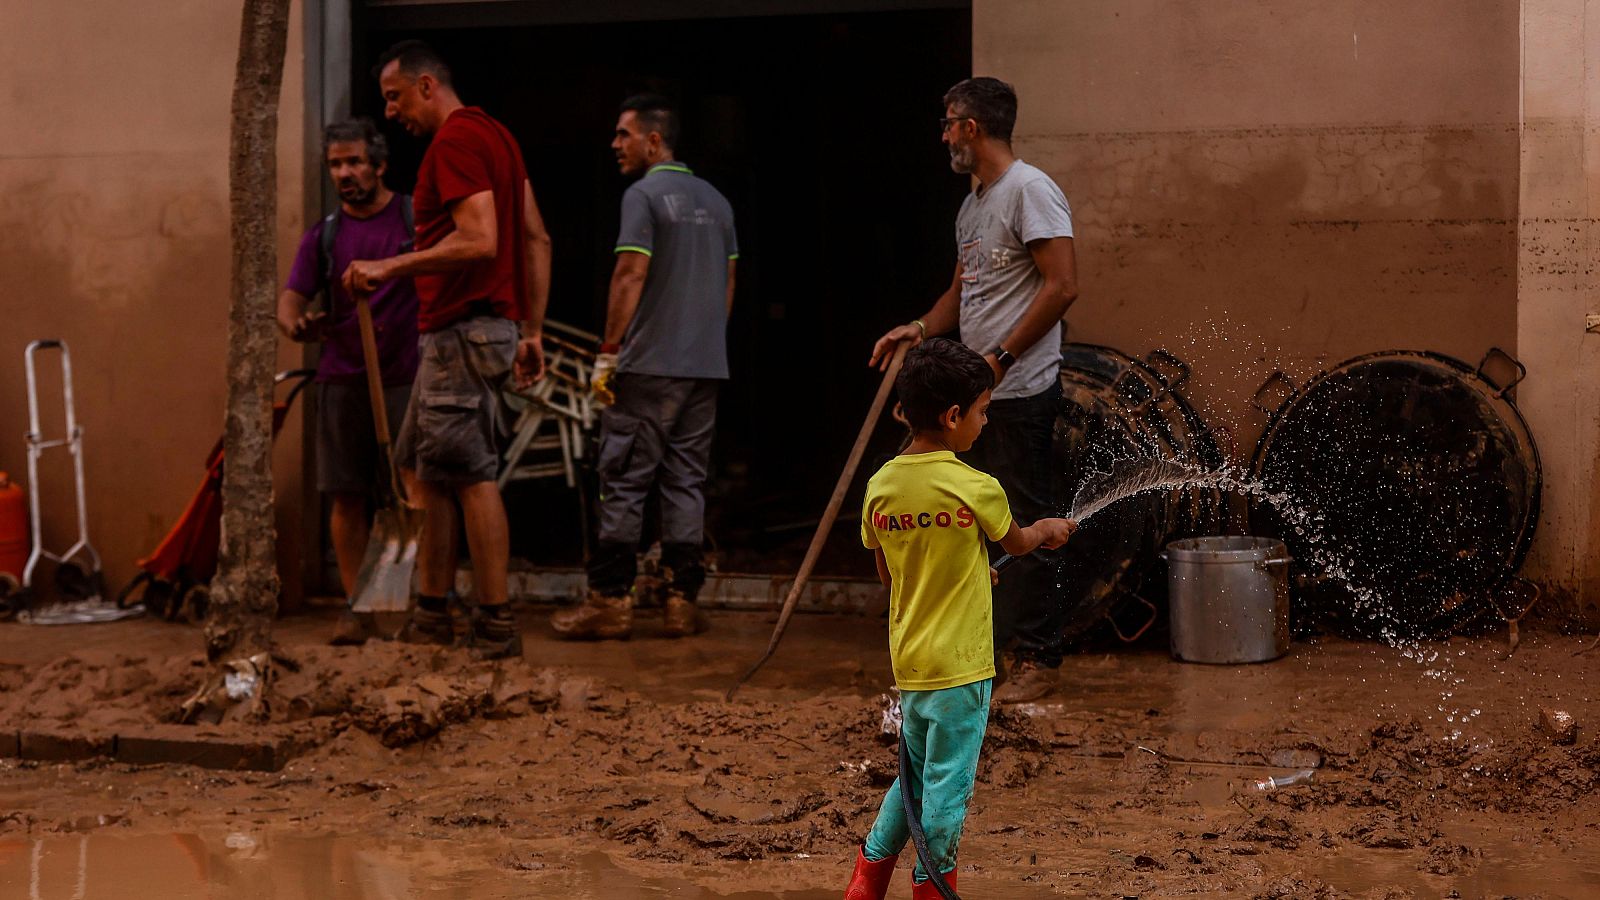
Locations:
(657, 434)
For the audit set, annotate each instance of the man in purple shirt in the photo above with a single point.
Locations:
(372, 222)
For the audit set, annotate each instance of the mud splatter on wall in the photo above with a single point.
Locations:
(1557, 243)
(1267, 185)
(1264, 185)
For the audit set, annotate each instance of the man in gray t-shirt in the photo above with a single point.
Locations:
(999, 278)
(1015, 276)
(663, 354)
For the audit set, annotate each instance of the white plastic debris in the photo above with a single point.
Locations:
(890, 723)
(1285, 780)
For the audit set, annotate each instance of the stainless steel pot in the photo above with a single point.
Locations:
(1228, 599)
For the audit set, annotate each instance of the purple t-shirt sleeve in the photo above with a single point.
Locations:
(305, 275)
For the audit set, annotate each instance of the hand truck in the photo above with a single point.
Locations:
(77, 572)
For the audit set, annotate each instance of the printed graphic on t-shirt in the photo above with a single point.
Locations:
(979, 268)
(971, 255)
(681, 210)
(961, 517)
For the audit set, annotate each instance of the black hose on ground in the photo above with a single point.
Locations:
(913, 807)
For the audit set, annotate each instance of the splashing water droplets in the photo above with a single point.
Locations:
(1318, 555)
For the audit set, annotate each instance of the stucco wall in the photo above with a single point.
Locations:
(1274, 184)
(1560, 193)
(113, 203)
(1288, 184)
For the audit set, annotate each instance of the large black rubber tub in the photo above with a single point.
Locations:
(1116, 411)
(1417, 487)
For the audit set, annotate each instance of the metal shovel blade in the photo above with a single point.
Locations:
(384, 583)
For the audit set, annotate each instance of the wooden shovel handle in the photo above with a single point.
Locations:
(832, 512)
(380, 410)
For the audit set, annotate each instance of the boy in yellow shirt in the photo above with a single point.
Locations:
(926, 517)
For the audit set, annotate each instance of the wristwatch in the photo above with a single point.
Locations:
(1004, 358)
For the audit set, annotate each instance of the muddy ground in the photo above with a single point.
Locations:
(1433, 776)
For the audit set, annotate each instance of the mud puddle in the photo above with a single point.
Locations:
(1494, 867)
(270, 866)
(279, 866)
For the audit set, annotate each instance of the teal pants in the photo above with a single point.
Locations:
(943, 731)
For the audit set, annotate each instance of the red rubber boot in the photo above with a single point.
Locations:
(926, 890)
(870, 880)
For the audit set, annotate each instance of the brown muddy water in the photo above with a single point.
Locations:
(272, 866)
(620, 772)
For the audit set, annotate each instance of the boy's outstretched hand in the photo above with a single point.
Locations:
(1048, 533)
(1056, 531)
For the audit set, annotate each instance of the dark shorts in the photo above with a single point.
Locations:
(348, 461)
(458, 421)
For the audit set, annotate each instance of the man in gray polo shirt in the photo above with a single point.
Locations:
(1015, 276)
(663, 355)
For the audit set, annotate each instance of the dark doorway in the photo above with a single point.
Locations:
(821, 130)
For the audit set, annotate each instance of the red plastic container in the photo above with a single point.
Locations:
(13, 527)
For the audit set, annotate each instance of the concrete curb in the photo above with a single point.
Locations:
(150, 745)
(721, 591)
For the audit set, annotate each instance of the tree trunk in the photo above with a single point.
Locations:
(244, 594)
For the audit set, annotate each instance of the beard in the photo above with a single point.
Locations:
(355, 195)
(962, 159)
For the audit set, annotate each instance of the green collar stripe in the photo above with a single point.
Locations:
(670, 167)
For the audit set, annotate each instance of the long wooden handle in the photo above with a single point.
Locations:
(831, 513)
(380, 410)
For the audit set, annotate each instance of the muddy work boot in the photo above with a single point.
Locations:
(682, 617)
(430, 623)
(927, 890)
(870, 880)
(494, 633)
(597, 618)
(1028, 682)
(350, 632)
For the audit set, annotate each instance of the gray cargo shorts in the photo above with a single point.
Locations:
(458, 421)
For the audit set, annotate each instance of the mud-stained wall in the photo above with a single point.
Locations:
(114, 206)
(1558, 240)
(1274, 184)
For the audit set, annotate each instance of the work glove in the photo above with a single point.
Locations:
(605, 369)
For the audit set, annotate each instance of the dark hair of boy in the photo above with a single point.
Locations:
(940, 373)
(361, 129)
(990, 101)
(416, 57)
(655, 113)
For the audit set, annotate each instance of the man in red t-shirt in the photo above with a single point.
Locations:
(481, 264)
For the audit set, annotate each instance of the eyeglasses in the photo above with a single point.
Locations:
(945, 123)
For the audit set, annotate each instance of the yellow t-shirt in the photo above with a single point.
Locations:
(929, 512)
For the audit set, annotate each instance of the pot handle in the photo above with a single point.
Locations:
(1284, 561)
(1130, 638)
(1125, 394)
(1159, 357)
(1501, 390)
(1277, 378)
